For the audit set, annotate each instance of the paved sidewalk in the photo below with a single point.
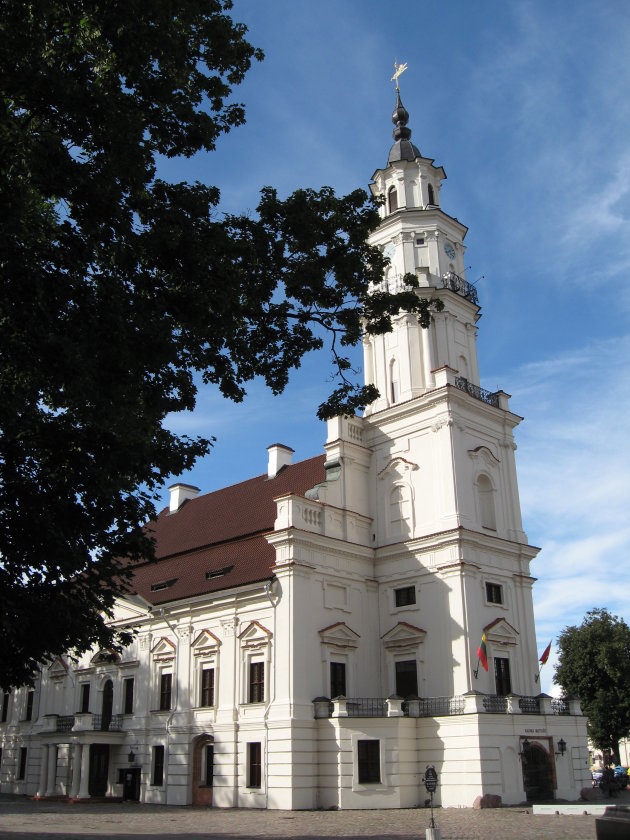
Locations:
(23, 819)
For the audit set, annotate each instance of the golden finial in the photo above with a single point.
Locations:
(399, 69)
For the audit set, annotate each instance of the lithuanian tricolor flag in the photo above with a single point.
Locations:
(481, 652)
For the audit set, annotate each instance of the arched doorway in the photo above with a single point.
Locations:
(108, 705)
(538, 776)
(202, 770)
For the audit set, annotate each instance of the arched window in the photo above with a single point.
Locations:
(392, 199)
(394, 381)
(485, 491)
(431, 195)
(400, 511)
(462, 365)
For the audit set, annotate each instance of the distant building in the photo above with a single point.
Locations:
(313, 633)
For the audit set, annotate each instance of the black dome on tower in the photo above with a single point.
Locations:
(403, 148)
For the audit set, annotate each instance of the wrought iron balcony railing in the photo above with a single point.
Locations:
(477, 392)
(64, 723)
(462, 287)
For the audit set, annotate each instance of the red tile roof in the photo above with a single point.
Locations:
(220, 531)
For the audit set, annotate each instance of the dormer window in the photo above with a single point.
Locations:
(162, 584)
(392, 199)
(215, 573)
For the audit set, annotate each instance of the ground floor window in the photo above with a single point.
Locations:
(209, 764)
(158, 766)
(369, 755)
(254, 765)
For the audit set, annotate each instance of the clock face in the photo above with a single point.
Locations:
(449, 250)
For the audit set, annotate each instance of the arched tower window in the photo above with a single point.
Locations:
(431, 194)
(485, 491)
(392, 199)
(400, 511)
(394, 381)
(462, 365)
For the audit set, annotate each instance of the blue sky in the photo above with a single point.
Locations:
(527, 107)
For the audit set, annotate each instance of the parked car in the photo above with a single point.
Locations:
(596, 776)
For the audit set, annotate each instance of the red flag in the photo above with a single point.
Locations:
(545, 654)
(481, 652)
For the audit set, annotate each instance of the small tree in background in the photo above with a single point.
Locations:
(594, 664)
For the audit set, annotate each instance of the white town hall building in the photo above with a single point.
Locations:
(312, 634)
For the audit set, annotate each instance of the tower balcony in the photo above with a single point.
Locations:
(492, 398)
(461, 287)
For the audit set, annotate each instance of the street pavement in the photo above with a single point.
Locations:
(23, 819)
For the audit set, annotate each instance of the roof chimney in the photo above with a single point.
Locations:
(180, 493)
(279, 456)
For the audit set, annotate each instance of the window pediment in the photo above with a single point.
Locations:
(501, 632)
(163, 650)
(339, 636)
(205, 643)
(255, 635)
(398, 467)
(403, 637)
(58, 669)
(483, 455)
(105, 656)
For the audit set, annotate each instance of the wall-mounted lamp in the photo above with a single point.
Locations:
(131, 757)
(525, 746)
(562, 747)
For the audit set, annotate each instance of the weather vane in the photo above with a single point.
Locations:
(399, 69)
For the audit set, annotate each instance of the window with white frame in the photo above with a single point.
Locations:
(494, 593)
(255, 643)
(206, 685)
(157, 766)
(166, 689)
(254, 764)
(369, 762)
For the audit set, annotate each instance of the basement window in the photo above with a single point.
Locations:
(215, 573)
(162, 584)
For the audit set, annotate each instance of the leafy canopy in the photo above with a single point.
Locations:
(594, 664)
(117, 287)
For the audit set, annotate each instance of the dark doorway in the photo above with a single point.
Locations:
(537, 773)
(108, 704)
(99, 769)
(131, 784)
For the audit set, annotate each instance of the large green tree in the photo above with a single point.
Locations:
(594, 664)
(117, 287)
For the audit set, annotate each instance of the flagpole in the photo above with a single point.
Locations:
(476, 670)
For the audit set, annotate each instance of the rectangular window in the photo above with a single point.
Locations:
(166, 686)
(85, 697)
(158, 766)
(405, 596)
(256, 682)
(5, 706)
(29, 705)
(337, 679)
(22, 768)
(207, 687)
(0, 756)
(494, 593)
(128, 696)
(407, 678)
(254, 761)
(369, 755)
(502, 676)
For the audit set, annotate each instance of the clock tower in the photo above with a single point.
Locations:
(419, 238)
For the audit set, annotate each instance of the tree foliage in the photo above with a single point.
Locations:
(117, 287)
(594, 664)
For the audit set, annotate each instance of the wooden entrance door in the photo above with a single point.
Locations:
(203, 770)
(99, 769)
